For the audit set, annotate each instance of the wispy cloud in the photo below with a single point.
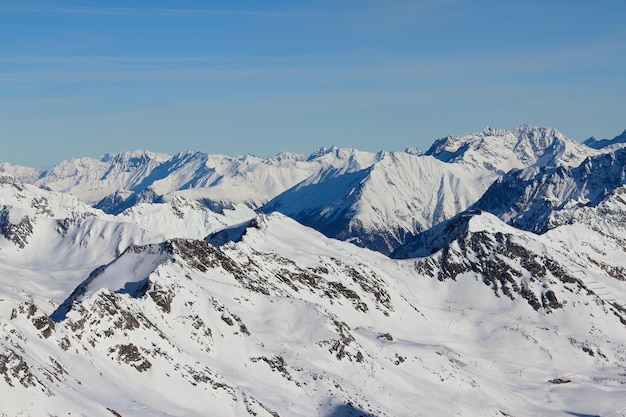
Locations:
(46, 100)
(130, 11)
(306, 68)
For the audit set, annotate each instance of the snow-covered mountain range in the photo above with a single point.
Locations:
(485, 276)
(403, 194)
(118, 181)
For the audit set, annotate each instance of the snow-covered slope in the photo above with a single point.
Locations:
(438, 236)
(312, 326)
(378, 207)
(527, 198)
(92, 179)
(504, 150)
(21, 173)
(373, 200)
(617, 141)
(608, 217)
(49, 241)
(406, 193)
(118, 181)
(188, 303)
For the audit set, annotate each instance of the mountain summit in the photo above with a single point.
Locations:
(490, 269)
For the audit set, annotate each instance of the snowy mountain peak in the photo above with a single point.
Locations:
(290, 156)
(7, 178)
(22, 173)
(527, 198)
(503, 150)
(411, 150)
(117, 181)
(322, 151)
(492, 131)
(190, 303)
(380, 206)
(441, 235)
(596, 143)
(136, 157)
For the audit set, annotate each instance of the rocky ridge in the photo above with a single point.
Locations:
(175, 306)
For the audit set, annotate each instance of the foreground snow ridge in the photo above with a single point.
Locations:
(483, 277)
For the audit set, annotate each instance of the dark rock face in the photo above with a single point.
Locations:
(14, 370)
(45, 324)
(161, 296)
(504, 264)
(16, 233)
(131, 355)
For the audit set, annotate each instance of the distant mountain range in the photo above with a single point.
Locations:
(485, 276)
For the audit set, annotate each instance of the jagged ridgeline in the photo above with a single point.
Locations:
(490, 269)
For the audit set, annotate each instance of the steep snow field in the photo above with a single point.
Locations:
(184, 301)
(314, 327)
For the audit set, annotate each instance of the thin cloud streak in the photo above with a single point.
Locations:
(118, 11)
(161, 59)
(331, 69)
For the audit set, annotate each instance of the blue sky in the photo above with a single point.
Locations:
(90, 77)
